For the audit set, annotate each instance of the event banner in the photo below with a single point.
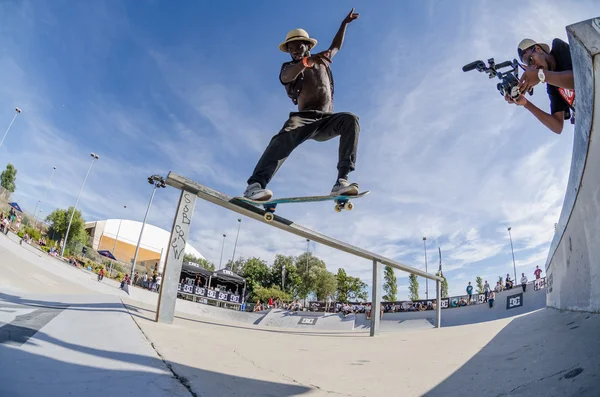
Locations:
(208, 293)
(446, 303)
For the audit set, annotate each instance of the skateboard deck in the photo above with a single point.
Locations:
(342, 202)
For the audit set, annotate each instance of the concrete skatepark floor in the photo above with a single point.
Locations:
(64, 332)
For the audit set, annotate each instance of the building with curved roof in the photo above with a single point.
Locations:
(120, 237)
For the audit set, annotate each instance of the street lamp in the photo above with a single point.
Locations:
(306, 273)
(236, 240)
(94, 157)
(42, 201)
(513, 254)
(426, 280)
(117, 237)
(157, 181)
(222, 247)
(17, 112)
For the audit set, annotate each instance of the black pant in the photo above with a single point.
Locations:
(524, 287)
(313, 124)
(486, 296)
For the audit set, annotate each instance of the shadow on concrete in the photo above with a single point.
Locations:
(546, 353)
(25, 373)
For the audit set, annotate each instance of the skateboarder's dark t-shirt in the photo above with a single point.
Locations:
(293, 88)
(561, 99)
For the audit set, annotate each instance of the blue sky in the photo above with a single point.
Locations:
(192, 87)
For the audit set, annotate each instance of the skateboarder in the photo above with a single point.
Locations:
(309, 83)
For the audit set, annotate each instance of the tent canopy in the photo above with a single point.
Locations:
(194, 268)
(16, 206)
(228, 275)
(107, 254)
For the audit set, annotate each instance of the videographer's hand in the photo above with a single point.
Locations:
(529, 79)
(520, 100)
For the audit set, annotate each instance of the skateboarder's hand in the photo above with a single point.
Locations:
(322, 58)
(351, 17)
(520, 100)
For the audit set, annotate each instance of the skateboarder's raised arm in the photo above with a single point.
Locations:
(338, 40)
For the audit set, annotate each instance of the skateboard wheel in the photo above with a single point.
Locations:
(348, 206)
(269, 217)
(338, 208)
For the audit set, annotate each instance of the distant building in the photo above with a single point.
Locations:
(120, 237)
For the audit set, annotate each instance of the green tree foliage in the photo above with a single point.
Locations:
(292, 278)
(413, 287)
(479, 282)
(326, 282)
(444, 284)
(390, 285)
(350, 289)
(8, 177)
(308, 279)
(59, 221)
(257, 274)
(264, 294)
(205, 263)
(236, 266)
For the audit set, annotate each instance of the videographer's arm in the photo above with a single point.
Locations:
(562, 79)
(553, 121)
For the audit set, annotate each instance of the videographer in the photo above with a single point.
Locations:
(553, 67)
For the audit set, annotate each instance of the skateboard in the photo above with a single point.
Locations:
(341, 202)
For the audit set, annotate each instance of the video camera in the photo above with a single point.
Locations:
(509, 79)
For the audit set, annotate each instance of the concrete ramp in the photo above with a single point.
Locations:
(573, 265)
(81, 345)
(307, 320)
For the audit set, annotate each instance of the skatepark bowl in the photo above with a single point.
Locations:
(63, 332)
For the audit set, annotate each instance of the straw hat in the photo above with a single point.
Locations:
(297, 35)
(528, 43)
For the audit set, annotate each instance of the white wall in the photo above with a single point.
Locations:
(573, 267)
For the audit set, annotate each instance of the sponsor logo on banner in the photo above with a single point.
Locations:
(178, 287)
(188, 288)
(307, 320)
(513, 301)
(444, 303)
(223, 296)
(480, 298)
(234, 298)
(200, 291)
(211, 294)
(539, 283)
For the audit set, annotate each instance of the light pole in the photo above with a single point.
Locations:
(94, 157)
(222, 247)
(513, 254)
(117, 237)
(42, 202)
(157, 181)
(236, 240)
(17, 112)
(306, 273)
(426, 280)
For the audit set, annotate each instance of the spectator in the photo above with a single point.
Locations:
(469, 292)
(498, 287)
(537, 272)
(509, 282)
(486, 290)
(491, 298)
(523, 281)
(271, 304)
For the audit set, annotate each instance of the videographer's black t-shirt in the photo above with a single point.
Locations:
(561, 99)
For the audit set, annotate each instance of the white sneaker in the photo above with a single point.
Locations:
(256, 192)
(344, 188)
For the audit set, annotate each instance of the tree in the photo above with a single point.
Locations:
(306, 267)
(59, 221)
(479, 282)
(292, 278)
(501, 281)
(444, 284)
(205, 263)
(413, 288)
(264, 294)
(390, 285)
(326, 283)
(235, 266)
(257, 274)
(8, 177)
(350, 288)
